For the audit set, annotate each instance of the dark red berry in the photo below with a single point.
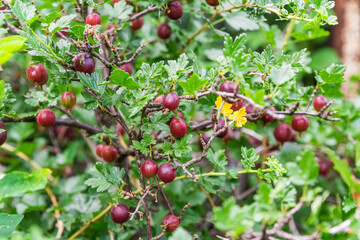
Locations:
(3, 135)
(320, 102)
(221, 125)
(46, 118)
(159, 99)
(111, 26)
(266, 118)
(63, 32)
(206, 140)
(100, 149)
(180, 115)
(149, 168)
(282, 132)
(109, 153)
(324, 168)
(65, 133)
(84, 62)
(3, 8)
(164, 31)
(154, 135)
(68, 99)
(93, 19)
(238, 105)
(127, 68)
(213, 3)
(292, 136)
(249, 109)
(120, 130)
(166, 173)
(171, 222)
(37, 74)
(137, 23)
(171, 101)
(228, 87)
(175, 10)
(178, 128)
(120, 213)
(300, 123)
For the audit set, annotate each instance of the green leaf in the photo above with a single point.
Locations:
(180, 234)
(357, 154)
(104, 176)
(333, 74)
(92, 81)
(8, 46)
(193, 84)
(121, 78)
(218, 158)
(25, 12)
(233, 47)
(63, 22)
(305, 171)
(345, 172)
(2, 89)
(281, 75)
(182, 146)
(249, 157)
(16, 184)
(8, 223)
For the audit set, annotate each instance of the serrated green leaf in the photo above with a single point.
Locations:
(193, 84)
(121, 78)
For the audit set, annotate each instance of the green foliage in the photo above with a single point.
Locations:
(274, 52)
(16, 184)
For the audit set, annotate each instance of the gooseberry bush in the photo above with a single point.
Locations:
(159, 119)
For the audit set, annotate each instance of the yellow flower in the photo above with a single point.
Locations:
(239, 117)
(226, 110)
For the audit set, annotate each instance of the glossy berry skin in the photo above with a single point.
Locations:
(120, 213)
(127, 68)
(3, 135)
(292, 136)
(46, 118)
(320, 102)
(221, 125)
(178, 128)
(175, 10)
(137, 23)
(180, 115)
(166, 173)
(149, 168)
(164, 31)
(100, 149)
(324, 168)
(68, 99)
(120, 130)
(171, 222)
(266, 118)
(109, 153)
(228, 87)
(238, 105)
(300, 123)
(37, 74)
(93, 19)
(84, 62)
(213, 3)
(171, 101)
(206, 140)
(282, 132)
(159, 99)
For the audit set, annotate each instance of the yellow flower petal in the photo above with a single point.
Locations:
(226, 110)
(218, 102)
(241, 122)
